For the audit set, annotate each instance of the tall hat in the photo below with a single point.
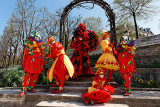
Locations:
(106, 34)
(81, 27)
(80, 30)
(50, 39)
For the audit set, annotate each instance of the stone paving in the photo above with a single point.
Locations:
(75, 104)
(142, 94)
(136, 99)
(145, 94)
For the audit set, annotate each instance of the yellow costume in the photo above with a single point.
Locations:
(107, 59)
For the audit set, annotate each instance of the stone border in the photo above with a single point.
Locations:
(143, 89)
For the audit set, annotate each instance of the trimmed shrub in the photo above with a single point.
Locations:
(11, 76)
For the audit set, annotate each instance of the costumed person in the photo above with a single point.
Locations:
(83, 41)
(62, 67)
(32, 62)
(99, 92)
(126, 53)
(107, 60)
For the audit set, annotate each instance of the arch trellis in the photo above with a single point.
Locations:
(75, 3)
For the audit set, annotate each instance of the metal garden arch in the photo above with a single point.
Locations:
(75, 3)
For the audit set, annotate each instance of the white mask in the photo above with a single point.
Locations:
(53, 42)
(37, 38)
(101, 76)
(80, 38)
(108, 38)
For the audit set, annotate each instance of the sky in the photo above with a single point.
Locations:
(7, 7)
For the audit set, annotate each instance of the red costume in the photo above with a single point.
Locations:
(32, 62)
(126, 61)
(62, 67)
(82, 42)
(99, 92)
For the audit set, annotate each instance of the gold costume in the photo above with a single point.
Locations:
(107, 59)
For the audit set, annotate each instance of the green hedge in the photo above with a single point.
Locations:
(11, 76)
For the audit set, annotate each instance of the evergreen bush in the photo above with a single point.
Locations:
(11, 76)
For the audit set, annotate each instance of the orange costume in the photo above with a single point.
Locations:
(61, 68)
(107, 59)
(32, 62)
(99, 92)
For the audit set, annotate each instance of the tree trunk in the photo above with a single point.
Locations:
(10, 56)
(135, 23)
(14, 57)
(4, 62)
(15, 50)
(113, 31)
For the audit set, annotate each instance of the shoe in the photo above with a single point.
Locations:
(32, 91)
(22, 93)
(53, 85)
(86, 101)
(92, 102)
(126, 94)
(57, 91)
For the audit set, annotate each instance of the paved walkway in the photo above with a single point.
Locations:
(142, 94)
(75, 104)
(146, 98)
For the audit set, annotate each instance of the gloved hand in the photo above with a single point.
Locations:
(111, 44)
(47, 55)
(101, 88)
